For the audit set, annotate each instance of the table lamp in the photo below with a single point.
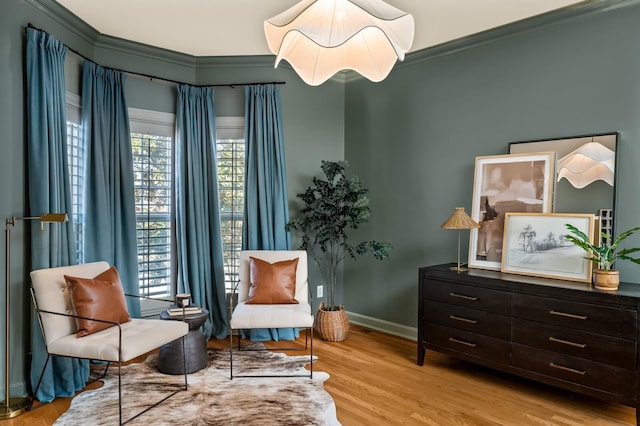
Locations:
(459, 220)
(13, 407)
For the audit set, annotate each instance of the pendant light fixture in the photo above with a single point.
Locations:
(322, 37)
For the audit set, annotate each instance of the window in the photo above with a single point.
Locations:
(152, 167)
(152, 149)
(230, 151)
(75, 159)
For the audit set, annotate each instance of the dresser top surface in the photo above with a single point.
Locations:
(523, 282)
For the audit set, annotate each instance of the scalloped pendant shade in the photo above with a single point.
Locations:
(322, 37)
(589, 163)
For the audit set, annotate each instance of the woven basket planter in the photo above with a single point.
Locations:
(332, 326)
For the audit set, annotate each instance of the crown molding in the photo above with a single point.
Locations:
(65, 18)
(589, 7)
(128, 47)
(264, 61)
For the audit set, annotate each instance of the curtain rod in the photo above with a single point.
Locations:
(149, 76)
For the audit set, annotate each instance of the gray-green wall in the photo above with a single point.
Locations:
(413, 137)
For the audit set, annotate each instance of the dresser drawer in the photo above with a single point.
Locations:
(581, 316)
(468, 319)
(615, 380)
(596, 347)
(482, 299)
(466, 342)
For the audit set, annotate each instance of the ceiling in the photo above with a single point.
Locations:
(235, 27)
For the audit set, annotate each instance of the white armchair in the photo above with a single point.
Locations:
(272, 315)
(118, 343)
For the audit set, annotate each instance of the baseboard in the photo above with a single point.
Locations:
(389, 327)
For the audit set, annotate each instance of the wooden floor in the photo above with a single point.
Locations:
(375, 381)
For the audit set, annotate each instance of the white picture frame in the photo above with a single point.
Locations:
(506, 183)
(534, 245)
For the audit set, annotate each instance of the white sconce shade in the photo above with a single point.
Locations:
(321, 37)
(590, 162)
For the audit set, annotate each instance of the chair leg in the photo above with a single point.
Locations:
(35, 392)
(231, 354)
(306, 346)
(120, 393)
(184, 358)
(311, 352)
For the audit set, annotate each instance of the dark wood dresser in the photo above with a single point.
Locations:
(561, 333)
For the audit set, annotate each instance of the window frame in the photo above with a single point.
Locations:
(73, 117)
(158, 123)
(231, 128)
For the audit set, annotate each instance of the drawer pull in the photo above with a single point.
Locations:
(462, 342)
(570, 370)
(457, 318)
(564, 314)
(567, 342)
(462, 296)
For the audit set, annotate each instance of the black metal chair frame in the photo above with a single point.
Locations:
(240, 349)
(49, 355)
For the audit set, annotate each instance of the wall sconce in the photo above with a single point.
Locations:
(321, 37)
(13, 407)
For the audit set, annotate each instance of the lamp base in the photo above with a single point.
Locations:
(15, 407)
(458, 269)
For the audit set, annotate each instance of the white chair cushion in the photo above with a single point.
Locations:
(139, 336)
(272, 256)
(271, 316)
(50, 289)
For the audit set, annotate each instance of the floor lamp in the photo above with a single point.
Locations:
(13, 407)
(459, 220)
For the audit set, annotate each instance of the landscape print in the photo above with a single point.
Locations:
(535, 244)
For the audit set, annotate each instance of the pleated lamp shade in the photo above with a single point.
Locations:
(322, 37)
(460, 220)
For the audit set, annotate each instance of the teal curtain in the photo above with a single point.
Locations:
(110, 217)
(198, 236)
(49, 192)
(266, 211)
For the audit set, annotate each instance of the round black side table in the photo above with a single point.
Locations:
(195, 347)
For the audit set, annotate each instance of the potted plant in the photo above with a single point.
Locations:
(603, 255)
(332, 207)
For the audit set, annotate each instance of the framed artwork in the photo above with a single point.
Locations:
(585, 172)
(506, 183)
(534, 244)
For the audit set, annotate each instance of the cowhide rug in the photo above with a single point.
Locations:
(211, 398)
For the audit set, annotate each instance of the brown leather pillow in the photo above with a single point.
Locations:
(101, 298)
(272, 283)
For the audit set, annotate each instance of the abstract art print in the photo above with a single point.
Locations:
(535, 244)
(506, 183)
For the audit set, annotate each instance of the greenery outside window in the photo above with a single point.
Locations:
(230, 152)
(152, 148)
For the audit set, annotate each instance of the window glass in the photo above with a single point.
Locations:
(75, 159)
(230, 151)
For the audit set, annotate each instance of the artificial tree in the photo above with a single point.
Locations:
(332, 207)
